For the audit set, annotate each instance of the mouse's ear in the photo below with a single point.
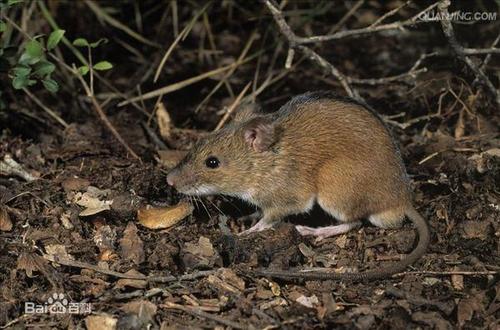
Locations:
(260, 133)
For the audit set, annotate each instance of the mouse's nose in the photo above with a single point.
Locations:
(171, 178)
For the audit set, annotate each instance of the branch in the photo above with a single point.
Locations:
(462, 52)
(348, 33)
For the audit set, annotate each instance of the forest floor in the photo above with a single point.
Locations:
(192, 275)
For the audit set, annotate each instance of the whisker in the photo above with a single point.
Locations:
(218, 209)
(204, 206)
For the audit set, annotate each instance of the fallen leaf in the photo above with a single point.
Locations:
(100, 322)
(432, 320)
(66, 220)
(165, 217)
(144, 309)
(133, 283)
(309, 302)
(30, 262)
(59, 251)
(5, 222)
(105, 238)
(75, 184)
(131, 245)
(164, 121)
(93, 201)
(467, 306)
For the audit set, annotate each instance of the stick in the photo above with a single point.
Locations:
(199, 313)
(158, 279)
(233, 106)
(461, 53)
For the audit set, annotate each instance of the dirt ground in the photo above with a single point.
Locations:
(77, 196)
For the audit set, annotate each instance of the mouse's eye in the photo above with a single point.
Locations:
(212, 162)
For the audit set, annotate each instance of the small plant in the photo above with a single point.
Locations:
(90, 67)
(33, 65)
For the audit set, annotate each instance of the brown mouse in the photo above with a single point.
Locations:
(317, 148)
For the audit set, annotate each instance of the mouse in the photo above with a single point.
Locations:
(318, 148)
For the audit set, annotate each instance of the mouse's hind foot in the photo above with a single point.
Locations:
(329, 231)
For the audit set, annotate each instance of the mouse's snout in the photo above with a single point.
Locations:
(172, 177)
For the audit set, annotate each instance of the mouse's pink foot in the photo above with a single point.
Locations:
(259, 226)
(329, 231)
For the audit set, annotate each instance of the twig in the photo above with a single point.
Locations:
(351, 33)
(45, 108)
(448, 273)
(157, 279)
(199, 313)
(181, 36)
(181, 84)
(117, 24)
(102, 115)
(461, 53)
(233, 106)
(228, 74)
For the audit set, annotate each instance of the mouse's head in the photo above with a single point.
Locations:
(225, 161)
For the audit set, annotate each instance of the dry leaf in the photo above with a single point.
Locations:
(29, 262)
(133, 283)
(5, 222)
(105, 238)
(100, 322)
(66, 220)
(59, 251)
(170, 158)
(75, 184)
(164, 217)
(466, 307)
(144, 309)
(309, 302)
(164, 121)
(92, 200)
(131, 245)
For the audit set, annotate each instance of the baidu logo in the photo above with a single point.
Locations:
(57, 304)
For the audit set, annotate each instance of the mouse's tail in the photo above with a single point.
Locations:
(423, 242)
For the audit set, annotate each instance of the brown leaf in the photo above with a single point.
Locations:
(164, 121)
(100, 322)
(164, 217)
(131, 245)
(30, 262)
(75, 184)
(127, 282)
(144, 309)
(5, 222)
(466, 307)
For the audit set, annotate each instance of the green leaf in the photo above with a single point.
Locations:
(98, 42)
(34, 49)
(81, 42)
(21, 70)
(102, 66)
(51, 85)
(19, 82)
(83, 70)
(44, 68)
(3, 26)
(54, 38)
(13, 2)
